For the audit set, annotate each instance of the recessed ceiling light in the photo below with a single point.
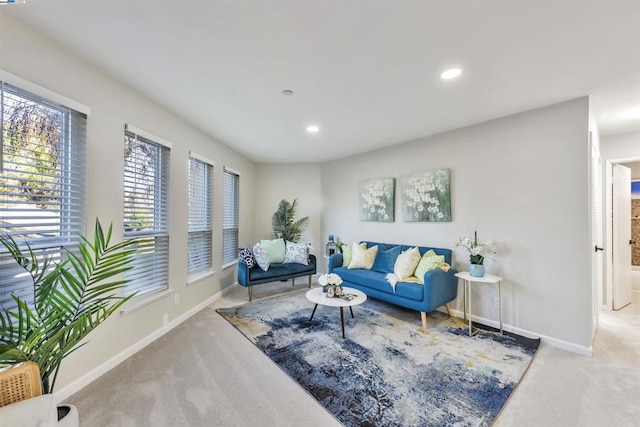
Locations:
(287, 92)
(313, 129)
(451, 73)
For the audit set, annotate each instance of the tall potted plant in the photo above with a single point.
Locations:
(284, 223)
(69, 300)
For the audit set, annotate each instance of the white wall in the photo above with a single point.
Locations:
(25, 53)
(289, 181)
(620, 148)
(521, 181)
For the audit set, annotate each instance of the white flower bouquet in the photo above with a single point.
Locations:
(331, 284)
(476, 248)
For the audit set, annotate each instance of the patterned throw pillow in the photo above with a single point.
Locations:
(262, 257)
(296, 253)
(406, 263)
(430, 261)
(245, 253)
(361, 257)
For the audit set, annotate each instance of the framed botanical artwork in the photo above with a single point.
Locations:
(426, 196)
(377, 199)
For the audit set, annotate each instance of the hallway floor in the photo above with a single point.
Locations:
(564, 389)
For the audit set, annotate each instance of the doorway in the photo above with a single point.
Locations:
(622, 278)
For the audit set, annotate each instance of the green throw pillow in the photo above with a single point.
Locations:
(430, 261)
(275, 248)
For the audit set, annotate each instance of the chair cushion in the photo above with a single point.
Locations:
(276, 271)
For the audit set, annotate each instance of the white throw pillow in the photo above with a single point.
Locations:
(361, 257)
(296, 253)
(406, 263)
(261, 256)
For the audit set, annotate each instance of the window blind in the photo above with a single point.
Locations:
(200, 248)
(230, 216)
(42, 182)
(146, 212)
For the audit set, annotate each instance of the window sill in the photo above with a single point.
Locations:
(137, 303)
(230, 264)
(199, 277)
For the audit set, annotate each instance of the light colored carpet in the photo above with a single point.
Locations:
(387, 372)
(245, 388)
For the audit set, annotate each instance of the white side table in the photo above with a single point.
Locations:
(487, 278)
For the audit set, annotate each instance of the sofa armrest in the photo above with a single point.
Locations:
(313, 263)
(440, 287)
(243, 273)
(335, 261)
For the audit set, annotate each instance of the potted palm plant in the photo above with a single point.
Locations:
(284, 224)
(69, 300)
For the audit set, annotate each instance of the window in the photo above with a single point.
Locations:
(230, 216)
(146, 203)
(42, 175)
(200, 258)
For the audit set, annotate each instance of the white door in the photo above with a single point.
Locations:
(621, 236)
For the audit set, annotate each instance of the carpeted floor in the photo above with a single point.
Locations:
(386, 372)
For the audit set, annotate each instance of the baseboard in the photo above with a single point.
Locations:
(105, 367)
(554, 342)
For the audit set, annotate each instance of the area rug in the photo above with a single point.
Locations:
(387, 372)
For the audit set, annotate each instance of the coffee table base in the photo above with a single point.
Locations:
(341, 317)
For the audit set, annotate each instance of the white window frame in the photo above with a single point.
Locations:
(46, 236)
(200, 227)
(230, 218)
(150, 272)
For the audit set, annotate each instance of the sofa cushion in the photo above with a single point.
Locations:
(276, 271)
(245, 253)
(261, 256)
(369, 278)
(362, 258)
(275, 248)
(378, 281)
(406, 263)
(410, 290)
(296, 253)
(385, 260)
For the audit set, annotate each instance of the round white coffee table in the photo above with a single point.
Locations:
(315, 295)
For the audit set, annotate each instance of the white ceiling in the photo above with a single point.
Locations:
(366, 72)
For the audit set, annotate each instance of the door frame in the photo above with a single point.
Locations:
(607, 298)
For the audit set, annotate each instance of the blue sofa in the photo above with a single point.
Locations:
(249, 277)
(439, 287)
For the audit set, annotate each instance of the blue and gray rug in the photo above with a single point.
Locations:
(387, 372)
